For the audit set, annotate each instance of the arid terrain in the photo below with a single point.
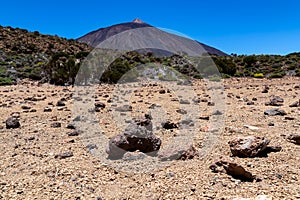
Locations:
(45, 158)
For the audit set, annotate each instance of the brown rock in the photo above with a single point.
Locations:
(177, 152)
(64, 155)
(250, 146)
(294, 138)
(237, 171)
(295, 104)
(55, 125)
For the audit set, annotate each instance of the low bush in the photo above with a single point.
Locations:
(258, 75)
(5, 81)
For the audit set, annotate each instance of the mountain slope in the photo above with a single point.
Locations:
(154, 37)
(25, 54)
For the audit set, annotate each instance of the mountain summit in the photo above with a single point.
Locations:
(137, 20)
(138, 35)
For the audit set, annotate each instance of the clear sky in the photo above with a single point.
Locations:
(242, 27)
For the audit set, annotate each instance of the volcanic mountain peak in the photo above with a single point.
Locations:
(137, 20)
(138, 34)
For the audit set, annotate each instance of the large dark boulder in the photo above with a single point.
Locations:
(138, 136)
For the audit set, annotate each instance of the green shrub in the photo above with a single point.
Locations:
(298, 72)
(3, 71)
(277, 75)
(215, 78)
(258, 75)
(81, 54)
(239, 74)
(225, 65)
(225, 76)
(5, 81)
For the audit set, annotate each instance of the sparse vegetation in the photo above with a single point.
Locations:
(56, 60)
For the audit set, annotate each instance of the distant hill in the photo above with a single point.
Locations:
(25, 54)
(147, 35)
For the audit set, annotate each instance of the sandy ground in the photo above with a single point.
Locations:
(30, 168)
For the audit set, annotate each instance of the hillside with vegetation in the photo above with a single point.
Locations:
(36, 56)
(56, 60)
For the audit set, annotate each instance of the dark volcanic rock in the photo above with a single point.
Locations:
(60, 103)
(275, 111)
(99, 105)
(250, 146)
(12, 122)
(47, 109)
(169, 125)
(25, 107)
(137, 136)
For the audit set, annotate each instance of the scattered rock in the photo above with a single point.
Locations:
(25, 107)
(232, 169)
(99, 105)
(275, 111)
(47, 109)
(12, 122)
(125, 108)
(55, 125)
(64, 155)
(71, 126)
(60, 103)
(265, 90)
(204, 117)
(181, 111)
(294, 138)
(275, 101)
(289, 118)
(295, 104)
(73, 133)
(186, 122)
(217, 112)
(162, 91)
(250, 146)
(210, 103)
(15, 114)
(250, 103)
(177, 152)
(169, 125)
(182, 101)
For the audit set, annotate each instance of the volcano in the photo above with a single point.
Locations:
(135, 34)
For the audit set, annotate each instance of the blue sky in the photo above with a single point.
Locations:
(242, 27)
